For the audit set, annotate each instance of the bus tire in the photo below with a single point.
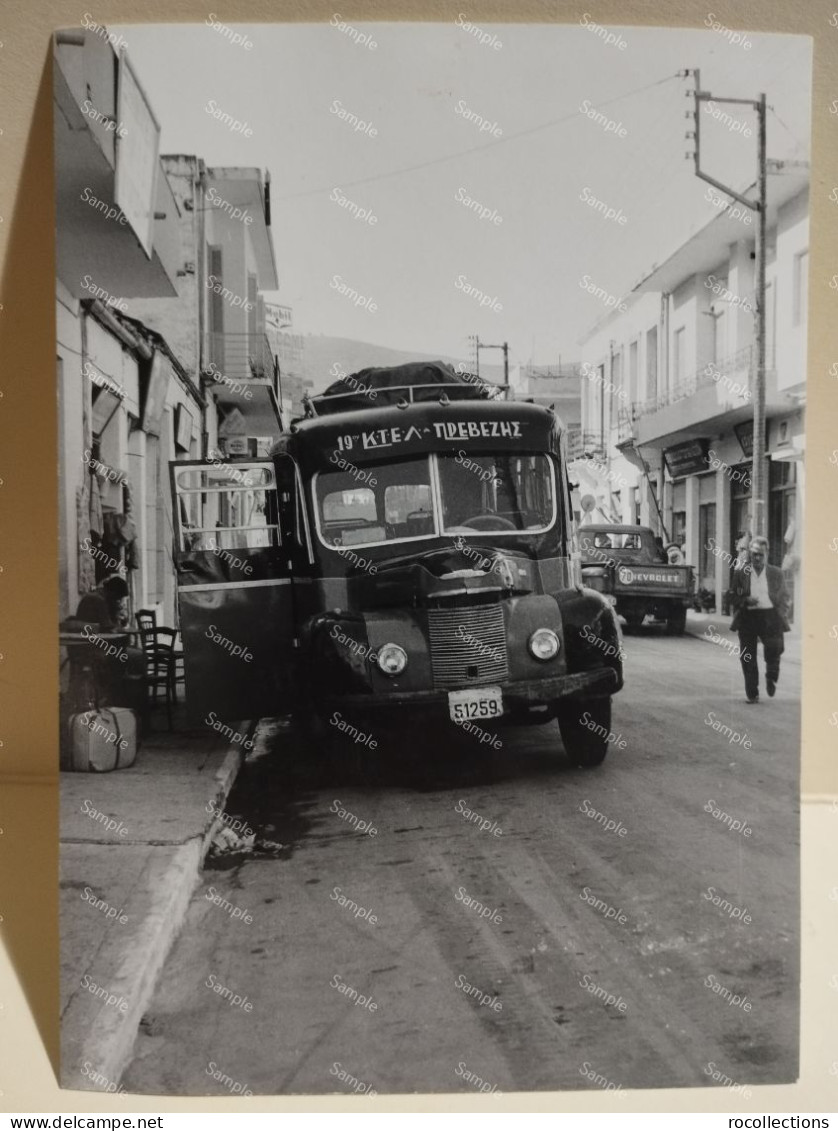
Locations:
(584, 747)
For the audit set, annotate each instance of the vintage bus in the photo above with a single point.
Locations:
(407, 553)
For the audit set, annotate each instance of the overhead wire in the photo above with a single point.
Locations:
(798, 145)
(660, 134)
(443, 159)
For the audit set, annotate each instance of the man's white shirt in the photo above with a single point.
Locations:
(759, 589)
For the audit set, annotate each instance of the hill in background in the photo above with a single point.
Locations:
(320, 353)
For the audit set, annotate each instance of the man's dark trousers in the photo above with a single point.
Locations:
(755, 625)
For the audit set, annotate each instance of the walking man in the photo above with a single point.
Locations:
(760, 607)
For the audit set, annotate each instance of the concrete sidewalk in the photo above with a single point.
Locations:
(144, 864)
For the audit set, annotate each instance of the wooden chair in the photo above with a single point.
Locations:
(159, 649)
(147, 621)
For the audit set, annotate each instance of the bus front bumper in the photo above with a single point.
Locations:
(518, 696)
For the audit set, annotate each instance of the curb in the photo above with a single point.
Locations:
(226, 778)
(110, 1044)
(170, 878)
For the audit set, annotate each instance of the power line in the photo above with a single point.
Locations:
(798, 145)
(476, 148)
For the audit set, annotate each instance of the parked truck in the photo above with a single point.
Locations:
(627, 565)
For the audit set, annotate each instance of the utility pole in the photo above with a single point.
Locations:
(503, 346)
(278, 376)
(759, 206)
(759, 491)
(476, 343)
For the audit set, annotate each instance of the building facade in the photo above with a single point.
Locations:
(112, 242)
(162, 352)
(554, 386)
(668, 386)
(217, 323)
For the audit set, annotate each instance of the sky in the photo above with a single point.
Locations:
(538, 167)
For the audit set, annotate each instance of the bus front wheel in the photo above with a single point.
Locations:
(585, 726)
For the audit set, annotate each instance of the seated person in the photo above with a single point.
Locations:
(106, 606)
(105, 609)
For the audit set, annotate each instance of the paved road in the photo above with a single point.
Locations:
(567, 911)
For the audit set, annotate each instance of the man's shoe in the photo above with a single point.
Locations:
(770, 687)
(754, 698)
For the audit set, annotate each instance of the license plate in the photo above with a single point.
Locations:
(476, 703)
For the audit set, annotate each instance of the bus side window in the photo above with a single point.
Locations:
(566, 491)
(226, 507)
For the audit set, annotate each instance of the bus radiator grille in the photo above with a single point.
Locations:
(468, 645)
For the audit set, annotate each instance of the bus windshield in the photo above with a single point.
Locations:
(429, 496)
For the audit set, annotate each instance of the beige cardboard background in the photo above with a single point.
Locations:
(29, 551)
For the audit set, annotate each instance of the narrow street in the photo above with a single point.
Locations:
(408, 446)
(658, 943)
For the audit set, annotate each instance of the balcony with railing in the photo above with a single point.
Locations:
(239, 358)
(582, 444)
(625, 426)
(715, 391)
(242, 373)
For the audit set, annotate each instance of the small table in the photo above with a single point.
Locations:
(88, 665)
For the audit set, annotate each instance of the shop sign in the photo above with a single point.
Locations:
(689, 458)
(745, 436)
(156, 387)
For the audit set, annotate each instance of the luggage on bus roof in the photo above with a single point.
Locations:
(414, 381)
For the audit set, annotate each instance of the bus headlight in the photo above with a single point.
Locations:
(392, 659)
(544, 644)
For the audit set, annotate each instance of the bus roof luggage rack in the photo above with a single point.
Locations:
(400, 385)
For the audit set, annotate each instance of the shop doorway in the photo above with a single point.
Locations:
(706, 558)
(782, 487)
(740, 501)
(782, 503)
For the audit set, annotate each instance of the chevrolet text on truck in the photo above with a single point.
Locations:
(410, 559)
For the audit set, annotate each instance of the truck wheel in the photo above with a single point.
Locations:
(584, 726)
(676, 622)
